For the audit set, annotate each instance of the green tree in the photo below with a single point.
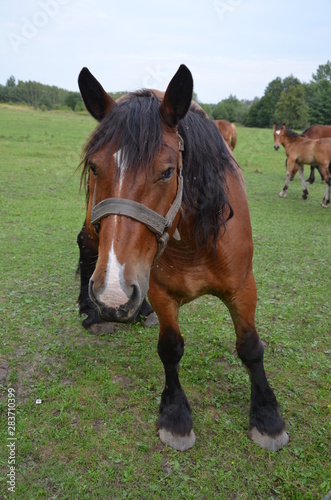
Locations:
(262, 112)
(292, 107)
(208, 108)
(289, 82)
(11, 82)
(73, 99)
(318, 96)
(231, 109)
(323, 72)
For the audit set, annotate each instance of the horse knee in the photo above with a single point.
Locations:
(170, 347)
(250, 349)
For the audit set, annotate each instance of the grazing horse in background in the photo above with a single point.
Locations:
(167, 215)
(317, 132)
(302, 151)
(228, 132)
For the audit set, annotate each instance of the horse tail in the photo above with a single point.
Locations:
(233, 140)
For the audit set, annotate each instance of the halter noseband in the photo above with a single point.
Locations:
(130, 208)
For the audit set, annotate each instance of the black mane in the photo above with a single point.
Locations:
(135, 123)
(290, 132)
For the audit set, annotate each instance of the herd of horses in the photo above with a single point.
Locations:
(167, 218)
(312, 147)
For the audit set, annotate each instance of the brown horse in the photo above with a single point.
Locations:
(315, 132)
(228, 132)
(167, 214)
(302, 151)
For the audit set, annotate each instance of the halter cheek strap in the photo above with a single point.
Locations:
(155, 222)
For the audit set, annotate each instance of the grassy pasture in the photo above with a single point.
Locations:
(94, 435)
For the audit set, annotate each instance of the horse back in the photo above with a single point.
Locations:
(318, 131)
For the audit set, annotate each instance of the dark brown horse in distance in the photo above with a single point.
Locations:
(167, 215)
(228, 132)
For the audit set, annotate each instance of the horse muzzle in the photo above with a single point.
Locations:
(114, 311)
(118, 304)
(276, 147)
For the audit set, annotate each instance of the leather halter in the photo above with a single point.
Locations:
(155, 222)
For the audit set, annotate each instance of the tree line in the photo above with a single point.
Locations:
(44, 97)
(286, 100)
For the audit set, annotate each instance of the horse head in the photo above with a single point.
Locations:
(279, 131)
(133, 167)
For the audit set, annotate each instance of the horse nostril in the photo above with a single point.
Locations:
(136, 293)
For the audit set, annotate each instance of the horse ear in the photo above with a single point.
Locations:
(98, 103)
(178, 96)
(275, 125)
(284, 126)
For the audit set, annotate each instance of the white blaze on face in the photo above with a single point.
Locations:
(113, 294)
(121, 166)
(277, 132)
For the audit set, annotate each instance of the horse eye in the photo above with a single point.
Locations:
(93, 169)
(167, 174)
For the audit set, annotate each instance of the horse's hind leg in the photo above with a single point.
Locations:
(303, 182)
(311, 178)
(267, 427)
(327, 176)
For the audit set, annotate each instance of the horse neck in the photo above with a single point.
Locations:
(288, 140)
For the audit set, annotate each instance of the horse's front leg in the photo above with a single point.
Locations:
(267, 427)
(290, 172)
(303, 183)
(175, 420)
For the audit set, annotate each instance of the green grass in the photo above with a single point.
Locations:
(94, 435)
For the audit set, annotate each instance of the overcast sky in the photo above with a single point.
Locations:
(231, 46)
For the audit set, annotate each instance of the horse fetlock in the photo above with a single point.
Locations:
(305, 194)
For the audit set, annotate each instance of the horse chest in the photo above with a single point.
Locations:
(182, 279)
